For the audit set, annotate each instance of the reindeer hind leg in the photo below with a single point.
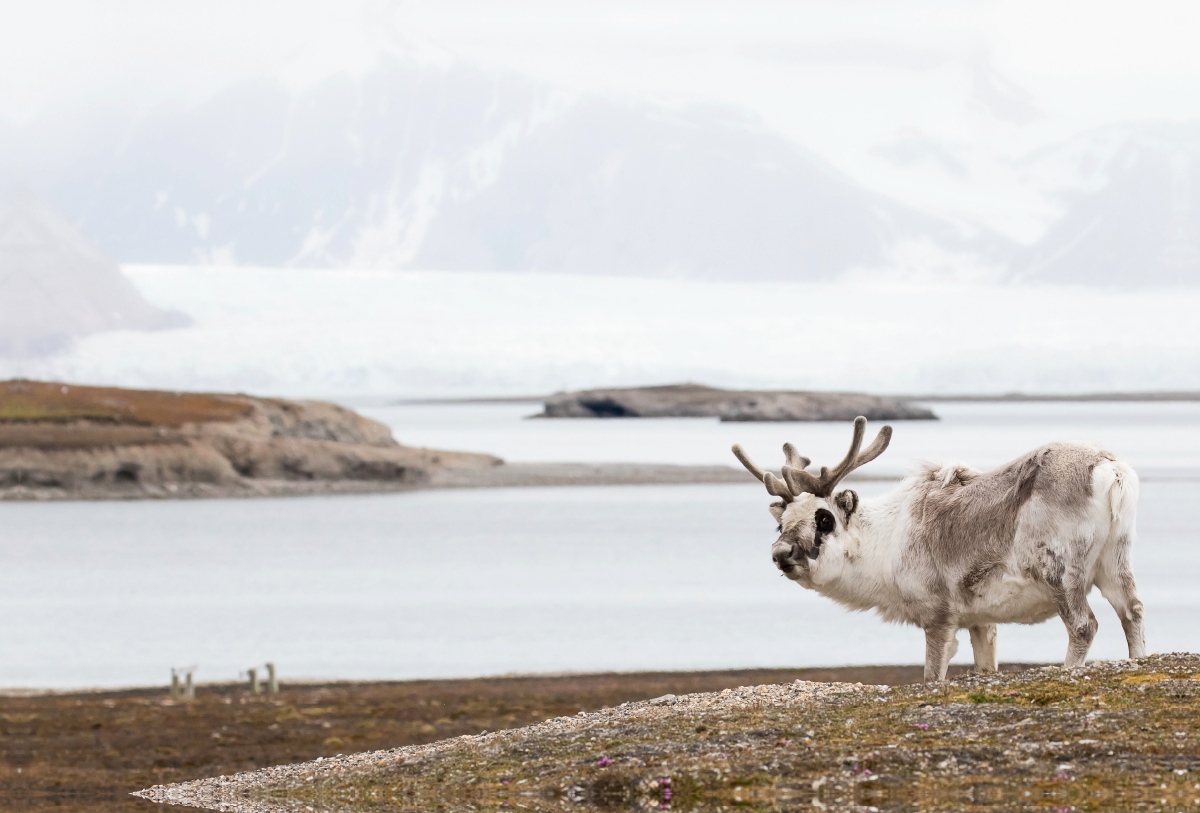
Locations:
(1114, 577)
(940, 646)
(1081, 623)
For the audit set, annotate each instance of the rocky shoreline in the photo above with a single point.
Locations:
(509, 475)
(499, 475)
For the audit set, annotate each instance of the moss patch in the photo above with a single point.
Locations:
(54, 402)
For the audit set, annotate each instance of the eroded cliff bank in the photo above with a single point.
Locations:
(75, 442)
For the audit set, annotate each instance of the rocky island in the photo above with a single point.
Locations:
(698, 401)
(76, 442)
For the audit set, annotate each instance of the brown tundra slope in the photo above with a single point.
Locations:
(66, 441)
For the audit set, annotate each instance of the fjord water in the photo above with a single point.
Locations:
(1158, 438)
(489, 581)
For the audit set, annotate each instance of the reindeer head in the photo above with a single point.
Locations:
(811, 518)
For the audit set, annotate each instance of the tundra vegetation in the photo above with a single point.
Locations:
(1109, 736)
(86, 751)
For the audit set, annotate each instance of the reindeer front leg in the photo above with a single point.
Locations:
(940, 646)
(983, 643)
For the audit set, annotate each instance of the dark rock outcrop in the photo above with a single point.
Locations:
(696, 401)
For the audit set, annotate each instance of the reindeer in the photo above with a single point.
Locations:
(955, 548)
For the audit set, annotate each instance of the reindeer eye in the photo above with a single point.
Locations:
(825, 522)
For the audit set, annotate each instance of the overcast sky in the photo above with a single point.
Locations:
(992, 80)
(1083, 60)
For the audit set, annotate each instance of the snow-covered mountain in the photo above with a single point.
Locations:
(56, 286)
(454, 167)
(1130, 196)
(457, 168)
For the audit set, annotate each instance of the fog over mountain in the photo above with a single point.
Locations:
(56, 286)
(1131, 195)
(461, 169)
(457, 167)
(349, 197)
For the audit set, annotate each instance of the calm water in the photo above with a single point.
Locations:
(525, 580)
(1160, 439)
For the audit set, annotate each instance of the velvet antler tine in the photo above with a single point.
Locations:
(797, 481)
(877, 447)
(750, 465)
(800, 481)
(778, 488)
(793, 482)
(830, 479)
(775, 486)
(794, 458)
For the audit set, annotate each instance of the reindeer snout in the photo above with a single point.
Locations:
(781, 552)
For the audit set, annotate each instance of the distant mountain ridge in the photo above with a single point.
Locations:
(55, 285)
(461, 169)
(1131, 195)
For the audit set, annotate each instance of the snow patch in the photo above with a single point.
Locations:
(396, 229)
(356, 332)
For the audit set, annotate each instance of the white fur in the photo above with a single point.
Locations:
(869, 562)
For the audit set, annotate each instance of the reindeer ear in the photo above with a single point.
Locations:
(776, 510)
(847, 501)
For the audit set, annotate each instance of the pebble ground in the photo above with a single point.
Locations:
(1112, 736)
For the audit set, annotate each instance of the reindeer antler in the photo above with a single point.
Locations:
(775, 486)
(798, 481)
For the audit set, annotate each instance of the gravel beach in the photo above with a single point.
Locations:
(500, 475)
